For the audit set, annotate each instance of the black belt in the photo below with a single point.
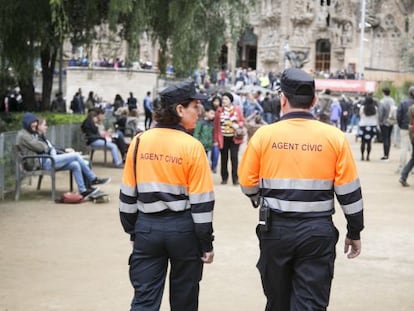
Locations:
(167, 212)
(275, 215)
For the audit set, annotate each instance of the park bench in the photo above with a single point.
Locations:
(22, 172)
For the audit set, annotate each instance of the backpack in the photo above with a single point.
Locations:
(73, 105)
(71, 198)
(392, 116)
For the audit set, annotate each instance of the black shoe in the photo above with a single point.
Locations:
(86, 194)
(384, 158)
(236, 183)
(100, 181)
(224, 182)
(403, 183)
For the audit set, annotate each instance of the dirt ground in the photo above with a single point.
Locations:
(74, 257)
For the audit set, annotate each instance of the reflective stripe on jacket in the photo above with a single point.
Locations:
(172, 173)
(298, 164)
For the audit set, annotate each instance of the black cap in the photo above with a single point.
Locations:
(180, 92)
(297, 82)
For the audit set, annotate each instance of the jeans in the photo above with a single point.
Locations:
(406, 147)
(409, 166)
(386, 139)
(73, 162)
(269, 118)
(111, 146)
(215, 152)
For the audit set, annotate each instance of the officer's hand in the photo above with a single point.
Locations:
(355, 248)
(208, 257)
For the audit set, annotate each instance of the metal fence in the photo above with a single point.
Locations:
(65, 135)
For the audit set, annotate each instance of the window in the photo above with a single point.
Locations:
(323, 55)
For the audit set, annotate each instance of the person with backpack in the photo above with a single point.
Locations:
(403, 122)
(410, 164)
(132, 102)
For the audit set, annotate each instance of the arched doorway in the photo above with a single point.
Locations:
(323, 55)
(247, 50)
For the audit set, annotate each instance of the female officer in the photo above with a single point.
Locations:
(166, 204)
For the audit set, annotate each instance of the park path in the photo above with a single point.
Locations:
(74, 257)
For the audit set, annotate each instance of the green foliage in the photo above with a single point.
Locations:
(397, 93)
(184, 29)
(13, 121)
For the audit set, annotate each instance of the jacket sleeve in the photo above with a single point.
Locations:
(348, 192)
(201, 195)
(33, 143)
(128, 195)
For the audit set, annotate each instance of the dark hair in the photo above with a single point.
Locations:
(299, 101)
(229, 96)
(386, 91)
(213, 99)
(166, 114)
(369, 106)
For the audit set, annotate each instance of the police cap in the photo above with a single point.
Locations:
(297, 82)
(180, 93)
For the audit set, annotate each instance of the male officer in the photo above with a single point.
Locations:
(292, 169)
(166, 204)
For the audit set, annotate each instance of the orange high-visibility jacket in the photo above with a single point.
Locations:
(172, 173)
(297, 165)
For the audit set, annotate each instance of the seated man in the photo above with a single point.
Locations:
(97, 139)
(30, 141)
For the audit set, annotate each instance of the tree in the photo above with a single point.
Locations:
(184, 29)
(32, 30)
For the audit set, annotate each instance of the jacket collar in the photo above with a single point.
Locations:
(298, 115)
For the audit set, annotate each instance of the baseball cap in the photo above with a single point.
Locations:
(297, 82)
(180, 92)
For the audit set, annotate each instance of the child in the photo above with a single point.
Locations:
(204, 133)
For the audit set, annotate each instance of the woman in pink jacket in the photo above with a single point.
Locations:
(228, 119)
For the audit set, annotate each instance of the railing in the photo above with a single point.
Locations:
(65, 135)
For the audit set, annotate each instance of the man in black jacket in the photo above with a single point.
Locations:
(403, 121)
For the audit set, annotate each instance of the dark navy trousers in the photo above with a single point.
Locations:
(163, 238)
(296, 263)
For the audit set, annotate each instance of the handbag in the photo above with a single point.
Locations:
(240, 132)
(71, 198)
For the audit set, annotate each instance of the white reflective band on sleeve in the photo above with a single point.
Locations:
(300, 207)
(197, 198)
(250, 190)
(353, 208)
(201, 218)
(128, 208)
(348, 188)
(128, 190)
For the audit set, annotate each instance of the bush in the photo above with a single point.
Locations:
(13, 121)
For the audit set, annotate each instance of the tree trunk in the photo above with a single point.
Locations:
(28, 95)
(48, 59)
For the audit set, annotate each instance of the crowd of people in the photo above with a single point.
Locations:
(161, 190)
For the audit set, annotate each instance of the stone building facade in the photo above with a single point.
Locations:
(326, 36)
(322, 35)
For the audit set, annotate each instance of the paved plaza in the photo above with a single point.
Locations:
(74, 257)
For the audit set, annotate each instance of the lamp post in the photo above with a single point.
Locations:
(361, 42)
